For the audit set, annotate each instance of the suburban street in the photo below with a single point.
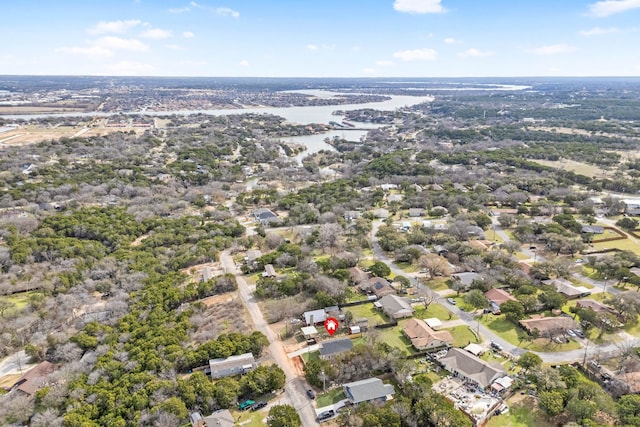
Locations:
(488, 334)
(295, 386)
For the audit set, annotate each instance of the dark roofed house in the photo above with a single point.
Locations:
(372, 389)
(34, 379)
(265, 216)
(232, 365)
(378, 286)
(593, 229)
(329, 349)
(471, 368)
(395, 306)
(416, 212)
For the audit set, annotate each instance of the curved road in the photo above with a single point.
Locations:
(295, 386)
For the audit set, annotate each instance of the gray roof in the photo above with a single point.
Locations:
(595, 229)
(467, 278)
(472, 367)
(328, 348)
(220, 418)
(227, 366)
(366, 390)
(394, 304)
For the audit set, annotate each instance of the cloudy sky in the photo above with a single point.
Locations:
(322, 38)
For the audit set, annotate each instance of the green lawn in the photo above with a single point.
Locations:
(462, 336)
(395, 338)
(330, 397)
(624, 244)
(435, 310)
(407, 267)
(250, 418)
(368, 311)
(19, 301)
(523, 413)
(439, 284)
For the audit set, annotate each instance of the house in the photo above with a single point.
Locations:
(596, 306)
(416, 212)
(567, 288)
(34, 379)
(389, 187)
(329, 349)
(314, 317)
(474, 230)
(394, 198)
(502, 384)
(395, 307)
(309, 332)
(466, 279)
(354, 330)
(471, 368)
(549, 326)
(269, 271)
(381, 213)
(357, 276)
(232, 365)
(265, 216)
(351, 215)
(252, 255)
(220, 418)
(496, 298)
(423, 337)
(378, 286)
(372, 389)
(593, 229)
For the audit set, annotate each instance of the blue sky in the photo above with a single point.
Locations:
(322, 38)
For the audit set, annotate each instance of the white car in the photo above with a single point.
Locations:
(571, 333)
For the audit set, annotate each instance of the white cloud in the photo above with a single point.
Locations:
(156, 34)
(244, 63)
(601, 9)
(130, 68)
(179, 10)
(112, 42)
(91, 52)
(475, 53)
(312, 47)
(597, 31)
(419, 6)
(225, 11)
(385, 63)
(554, 49)
(424, 54)
(174, 46)
(118, 27)
(451, 40)
(188, 35)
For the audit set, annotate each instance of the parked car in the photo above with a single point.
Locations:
(326, 415)
(579, 333)
(246, 404)
(451, 301)
(258, 405)
(571, 333)
(496, 346)
(311, 394)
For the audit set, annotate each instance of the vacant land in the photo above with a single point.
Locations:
(523, 412)
(585, 169)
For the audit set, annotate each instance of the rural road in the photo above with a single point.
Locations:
(295, 387)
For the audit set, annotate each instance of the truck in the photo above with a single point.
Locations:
(246, 404)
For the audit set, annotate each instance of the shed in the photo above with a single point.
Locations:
(309, 331)
(433, 322)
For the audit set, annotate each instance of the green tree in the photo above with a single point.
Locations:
(627, 223)
(529, 360)
(283, 416)
(380, 269)
(552, 402)
(581, 409)
(476, 299)
(629, 409)
(513, 311)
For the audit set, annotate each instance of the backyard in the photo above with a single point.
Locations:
(523, 412)
(517, 336)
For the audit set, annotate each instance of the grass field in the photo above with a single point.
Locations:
(368, 311)
(516, 336)
(250, 418)
(330, 397)
(585, 169)
(523, 412)
(623, 244)
(462, 336)
(395, 338)
(19, 301)
(438, 284)
(435, 310)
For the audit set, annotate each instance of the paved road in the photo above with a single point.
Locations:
(295, 386)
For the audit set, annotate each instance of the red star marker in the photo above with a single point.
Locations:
(331, 325)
